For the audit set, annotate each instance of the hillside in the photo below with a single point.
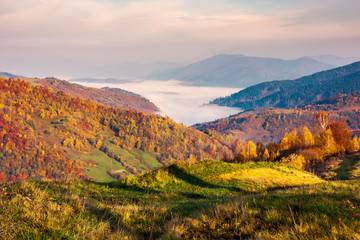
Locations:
(334, 60)
(291, 93)
(111, 97)
(210, 178)
(185, 202)
(46, 134)
(239, 71)
(8, 75)
(270, 124)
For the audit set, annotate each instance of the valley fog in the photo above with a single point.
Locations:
(185, 104)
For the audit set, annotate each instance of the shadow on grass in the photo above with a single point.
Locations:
(343, 171)
(104, 214)
(123, 185)
(195, 181)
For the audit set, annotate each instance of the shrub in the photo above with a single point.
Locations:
(294, 160)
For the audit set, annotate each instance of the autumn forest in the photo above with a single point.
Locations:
(48, 134)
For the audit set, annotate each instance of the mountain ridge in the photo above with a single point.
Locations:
(112, 97)
(240, 70)
(290, 93)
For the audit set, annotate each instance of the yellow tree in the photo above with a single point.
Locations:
(260, 147)
(292, 138)
(327, 142)
(266, 155)
(354, 145)
(284, 143)
(295, 160)
(98, 144)
(341, 134)
(306, 139)
(248, 153)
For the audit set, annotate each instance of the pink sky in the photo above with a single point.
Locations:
(98, 32)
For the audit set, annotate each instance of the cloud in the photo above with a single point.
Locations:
(185, 104)
(109, 31)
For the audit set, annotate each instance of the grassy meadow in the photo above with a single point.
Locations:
(205, 200)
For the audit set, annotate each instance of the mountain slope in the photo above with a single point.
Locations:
(241, 71)
(107, 96)
(290, 93)
(270, 124)
(48, 134)
(8, 75)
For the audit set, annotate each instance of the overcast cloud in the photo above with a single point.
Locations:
(37, 34)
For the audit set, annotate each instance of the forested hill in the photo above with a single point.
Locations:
(270, 124)
(291, 93)
(111, 97)
(49, 134)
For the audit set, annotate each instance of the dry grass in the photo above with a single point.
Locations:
(280, 176)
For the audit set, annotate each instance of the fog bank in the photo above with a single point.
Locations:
(185, 104)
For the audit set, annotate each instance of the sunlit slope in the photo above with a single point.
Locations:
(216, 178)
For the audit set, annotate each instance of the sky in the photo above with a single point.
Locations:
(61, 34)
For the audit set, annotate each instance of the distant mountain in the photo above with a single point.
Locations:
(335, 60)
(290, 93)
(100, 80)
(129, 69)
(270, 124)
(111, 97)
(9, 75)
(240, 70)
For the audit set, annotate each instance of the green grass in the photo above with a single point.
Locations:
(141, 160)
(349, 168)
(185, 201)
(321, 211)
(137, 158)
(104, 164)
(211, 178)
